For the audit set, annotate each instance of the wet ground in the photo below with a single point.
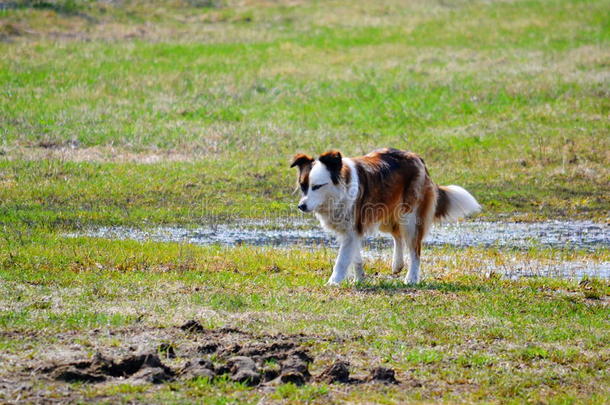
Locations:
(561, 235)
(557, 234)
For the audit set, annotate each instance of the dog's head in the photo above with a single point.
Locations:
(318, 179)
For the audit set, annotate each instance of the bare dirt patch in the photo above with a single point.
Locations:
(339, 372)
(143, 366)
(183, 353)
(240, 356)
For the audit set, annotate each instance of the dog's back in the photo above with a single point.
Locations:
(392, 183)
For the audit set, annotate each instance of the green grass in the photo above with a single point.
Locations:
(508, 99)
(457, 336)
(187, 112)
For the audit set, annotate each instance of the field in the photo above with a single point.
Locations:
(187, 113)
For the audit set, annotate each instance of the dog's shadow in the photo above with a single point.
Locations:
(397, 286)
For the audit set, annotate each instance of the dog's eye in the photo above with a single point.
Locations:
(304, 188)
(317, 186)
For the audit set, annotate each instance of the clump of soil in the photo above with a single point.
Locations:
(243, 357)
(192, 326)
(70, 373)
(198, 368)
(168, 350)
(338, 372)
(208, 348)
(383, 375)
(145, 366)
(244, 370)
(295, 368)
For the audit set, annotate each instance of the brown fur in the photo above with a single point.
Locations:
(425, 211)
(392, 182)
(334, 163)
(304, 162)
(442, 203)
(345, 174)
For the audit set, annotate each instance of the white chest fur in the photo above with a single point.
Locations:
(338, 215)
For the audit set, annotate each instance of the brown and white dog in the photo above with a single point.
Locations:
(388, 190)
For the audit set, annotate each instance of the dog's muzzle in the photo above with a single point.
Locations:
(303, 207)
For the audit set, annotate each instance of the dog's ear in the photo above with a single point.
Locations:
(301, 160)
(333, 162)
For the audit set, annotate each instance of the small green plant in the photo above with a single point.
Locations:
(60, 6)
(532, 352)
(206, 3)
(424, 356)
(594, 289)
(475, 360)
(306, 394)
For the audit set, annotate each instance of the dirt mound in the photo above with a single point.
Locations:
(144, 366)
(239, 355)
(197, 369)
(167, 349)
(244, 370)
(383, 375)
(253, 360)
(338, 372)
(295, 369)
(192, 326)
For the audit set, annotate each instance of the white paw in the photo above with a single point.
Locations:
(358, 275)
(356, 280)
(332, 283)
(411, 281)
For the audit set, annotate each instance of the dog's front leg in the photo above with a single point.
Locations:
(349, 244)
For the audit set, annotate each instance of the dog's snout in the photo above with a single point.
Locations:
(303, 207)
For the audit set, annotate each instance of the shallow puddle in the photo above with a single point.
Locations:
(562, 235)
(298, 233)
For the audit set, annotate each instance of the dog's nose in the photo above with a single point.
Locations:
(303, 207)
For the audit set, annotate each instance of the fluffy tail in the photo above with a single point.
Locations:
(453, 203)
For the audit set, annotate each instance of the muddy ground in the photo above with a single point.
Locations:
(287, 233)
(185, 352)
(290, 232)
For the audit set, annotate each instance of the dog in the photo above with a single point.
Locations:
(389, 190)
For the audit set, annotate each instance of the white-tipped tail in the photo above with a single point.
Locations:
(454, 203)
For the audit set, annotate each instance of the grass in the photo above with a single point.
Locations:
(506, 99)
(188, 112)
(456, 337)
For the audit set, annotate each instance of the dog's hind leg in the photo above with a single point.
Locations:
(417, 227)
(414, 253)
(349, 244)
(413, 240)
(398, 259)
(358, 269)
